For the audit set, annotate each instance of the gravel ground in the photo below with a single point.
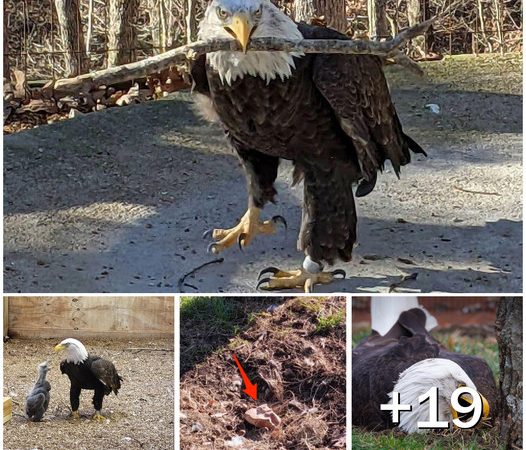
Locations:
(141, 416)
(118, 201)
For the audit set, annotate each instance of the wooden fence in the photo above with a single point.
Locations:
(85, 317)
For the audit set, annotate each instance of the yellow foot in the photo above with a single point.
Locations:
(98, 416)
(295, 279)
(247, 229)
(74, 415)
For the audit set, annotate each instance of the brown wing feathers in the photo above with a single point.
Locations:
(106, 372)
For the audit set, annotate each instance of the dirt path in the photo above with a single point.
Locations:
(118, 201)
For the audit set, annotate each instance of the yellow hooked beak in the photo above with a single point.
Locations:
(59, 347)
(467, 398)
(241, 29)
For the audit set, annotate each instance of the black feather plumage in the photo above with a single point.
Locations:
(94, 373)
(333, 117)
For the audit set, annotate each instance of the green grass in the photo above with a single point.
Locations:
(487, 349)
(358, 336)
(217, 312)
(389, 440)
(208, 323)
(313, 305)
(326, 324)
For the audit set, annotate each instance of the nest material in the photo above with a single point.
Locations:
(300, 373)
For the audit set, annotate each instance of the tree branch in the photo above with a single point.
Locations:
(157, 63)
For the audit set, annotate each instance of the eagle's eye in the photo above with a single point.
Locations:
(221, 13)
(258, 12)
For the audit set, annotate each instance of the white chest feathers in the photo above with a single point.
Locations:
(266, 65)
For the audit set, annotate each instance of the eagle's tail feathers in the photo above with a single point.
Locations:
(366, 186)
(414, 146)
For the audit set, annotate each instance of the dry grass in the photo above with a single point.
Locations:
(471, 73)
(141, 416)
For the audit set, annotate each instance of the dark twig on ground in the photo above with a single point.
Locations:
(149, 349)
(394, 286)
(181, 282)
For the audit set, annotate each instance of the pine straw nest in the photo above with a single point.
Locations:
(300, 371)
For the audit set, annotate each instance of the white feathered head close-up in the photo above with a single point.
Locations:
(419, 378)
(244, 20)
(75, 350)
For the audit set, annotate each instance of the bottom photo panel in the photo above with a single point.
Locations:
(297, 372)
(437, 372)
(263, 372)
(88, 373)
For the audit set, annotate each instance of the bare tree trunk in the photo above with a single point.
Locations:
(122, 38)
(378, 26)
(90, 27)
(155, 28)
(190, 21)
(68, 15)
(483, 25)
(162, 23)
(333, 12)
(7, 75)
(498, 24)
(509, 338)
(171, 28)
(414, 16)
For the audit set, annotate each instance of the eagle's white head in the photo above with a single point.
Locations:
(243, 20)
(75, 350)
(422, 376)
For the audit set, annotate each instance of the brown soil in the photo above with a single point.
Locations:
(141, 416)
(300, 374)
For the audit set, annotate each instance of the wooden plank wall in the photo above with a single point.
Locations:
(81, 317)
(6, 315)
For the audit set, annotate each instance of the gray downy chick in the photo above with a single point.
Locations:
(38, 399)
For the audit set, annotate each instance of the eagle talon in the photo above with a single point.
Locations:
(263, 281)
(279, 220)
(272, 270)
(244, 232)
(98, 416)
(212, 248)
(296, 279)
(339, 272)
(241, 240)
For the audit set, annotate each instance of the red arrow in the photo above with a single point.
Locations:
(251, 389)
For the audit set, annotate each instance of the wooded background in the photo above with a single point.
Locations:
(50, 39)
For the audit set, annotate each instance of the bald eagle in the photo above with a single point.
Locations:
(90, 372)
(330, 114)
(408, 360)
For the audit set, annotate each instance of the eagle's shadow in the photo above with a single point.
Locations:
(152, 254)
